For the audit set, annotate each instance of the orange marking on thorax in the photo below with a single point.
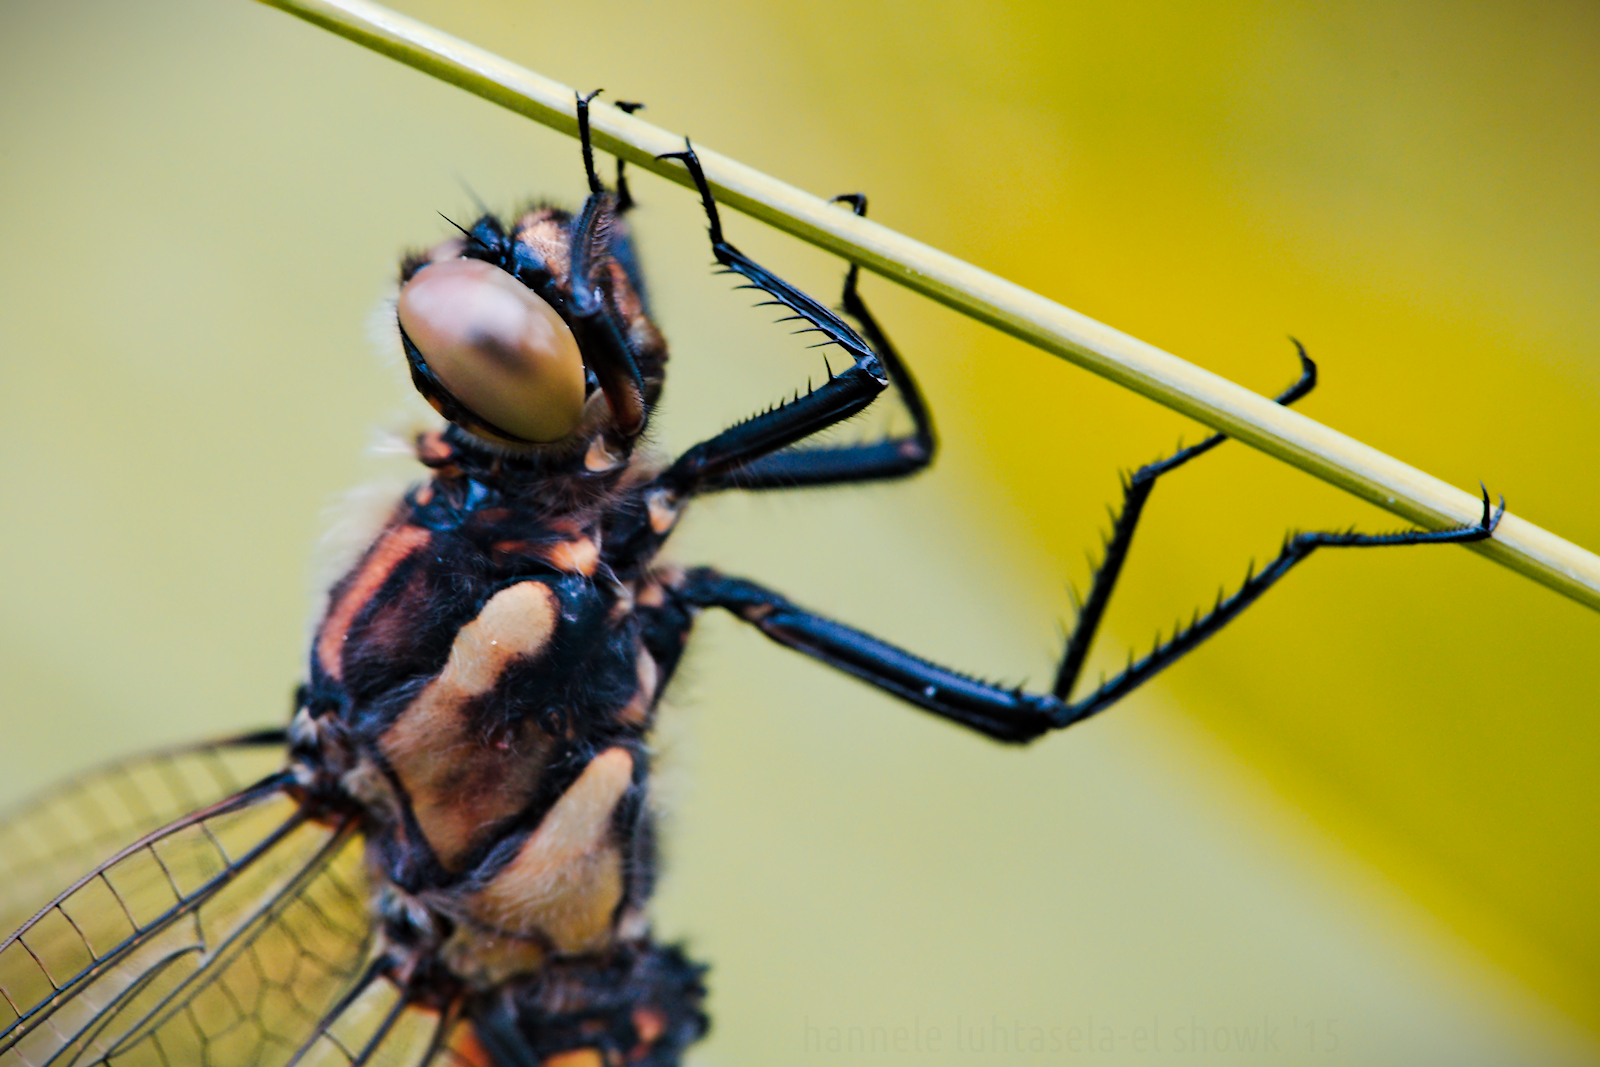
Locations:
(460, 782)
(579, 556)
(566, 881)
(575, 1057)
(637, 710)
(393, 547)
(516, 621)
(650, 1023)
(433, 450)
(600, 457)
(663, 511)
(464, 1046)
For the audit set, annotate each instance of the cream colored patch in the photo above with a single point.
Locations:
(303, 729)
(459, 781)
(486, 959)
(633, 924)
(366, 782)
(637, 710)
(517, 621)
(652, 595)
(663, 511)
(566, 881)
(649, 673)
(600, 457)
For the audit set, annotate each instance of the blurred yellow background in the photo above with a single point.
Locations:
(1362, 826)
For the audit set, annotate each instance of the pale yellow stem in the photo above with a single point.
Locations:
(1215, 401)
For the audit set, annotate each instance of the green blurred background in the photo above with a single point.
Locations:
(1361, 826)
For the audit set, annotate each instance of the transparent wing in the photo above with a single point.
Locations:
(51, 838)
(224, 938)
(375, 1027)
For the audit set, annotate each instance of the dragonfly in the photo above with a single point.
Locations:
(446, 857)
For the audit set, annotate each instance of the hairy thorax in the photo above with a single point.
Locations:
(481, 684)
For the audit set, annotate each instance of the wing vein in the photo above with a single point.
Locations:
(185, 904)
(248, 932)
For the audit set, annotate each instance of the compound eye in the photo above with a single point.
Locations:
(501, 350)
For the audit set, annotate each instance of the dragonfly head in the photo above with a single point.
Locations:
(503, 341)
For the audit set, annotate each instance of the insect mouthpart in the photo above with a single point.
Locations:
(491, 355)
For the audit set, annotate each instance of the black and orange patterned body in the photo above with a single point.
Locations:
(483, 683)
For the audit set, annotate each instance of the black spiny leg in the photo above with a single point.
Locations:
(595, 188)
(1135, 492)
(1014, 715)
(1003, 714)
(1295, 548)
(892, 457)
(601, 333)
(624, 199)
(711, 463)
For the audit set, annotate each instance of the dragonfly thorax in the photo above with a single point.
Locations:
(481, 685)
